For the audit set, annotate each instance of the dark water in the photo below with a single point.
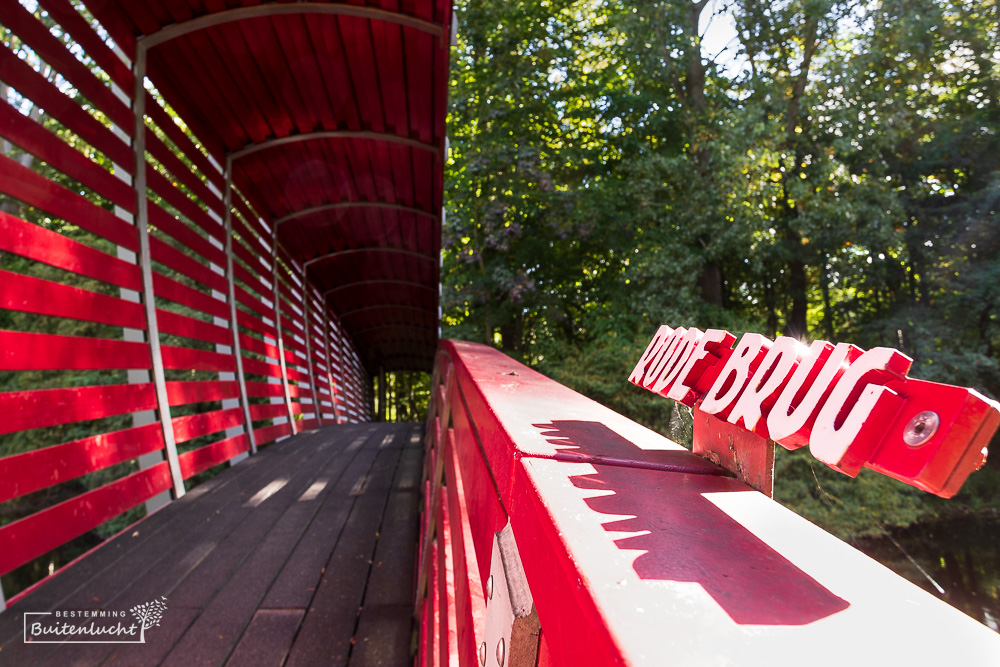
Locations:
(956, 559)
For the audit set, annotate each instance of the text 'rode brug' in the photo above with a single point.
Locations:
(854, 408)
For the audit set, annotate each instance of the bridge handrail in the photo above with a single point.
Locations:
(634, 550)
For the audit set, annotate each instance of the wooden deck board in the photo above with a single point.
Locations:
(280, 560)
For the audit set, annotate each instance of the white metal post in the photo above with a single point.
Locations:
(309, 365)
(277, 329)
(146, 265)
(231, 285)
(329, 366)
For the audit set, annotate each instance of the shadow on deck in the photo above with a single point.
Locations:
(302, 555)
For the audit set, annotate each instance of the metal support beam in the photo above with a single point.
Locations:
(176, 30)
(231, 284)
(334, 134)
(343, 373)
(146, 266)
(277, 332)
(329, 366)
(346, 205)
(390, 306)
(432, 334)
(309, 364)
(364, 283)
(355, 251)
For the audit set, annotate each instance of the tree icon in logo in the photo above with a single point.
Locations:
(149, 615)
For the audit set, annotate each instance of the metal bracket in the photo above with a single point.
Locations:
(512, 631)
(746, 455)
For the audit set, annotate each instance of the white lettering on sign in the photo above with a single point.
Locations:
(840, 400)
(734, 374)
(790, 419)
(771, 375)
(677, 360)
(840, 420)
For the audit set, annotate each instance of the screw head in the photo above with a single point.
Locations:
(489, 588)
(501, 652)
(482, 655)
(921, 428)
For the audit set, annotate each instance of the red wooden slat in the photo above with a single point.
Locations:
(258, 346)
(181, 393)
(186, 358)
(191, 239)
(190, 327)
(39, 533)
(250, 217)
(254, 367)
(252, 282)
(180, 171)
(264, 389)
(183, 142)
(295, 376)
(193, 426)
(203, 458)
(253, 261)
(20, 75)
(84, 35)
(168, 255)
(54, 52)
(270, 433)
(28, 472)
(258, 412)
(35, 190)
(289, 291)
(23, 410)
(44, 297)
(116, 23)
(178, 292)
(292, 322)
(159, 184)
(245, 319)
(40, 352)
(44, 145)
(248, 300)
(250, 238)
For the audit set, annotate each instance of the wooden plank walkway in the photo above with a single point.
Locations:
(302, 555)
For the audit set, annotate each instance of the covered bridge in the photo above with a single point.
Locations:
(220, 220)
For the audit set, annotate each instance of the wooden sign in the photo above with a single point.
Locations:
(854, 408)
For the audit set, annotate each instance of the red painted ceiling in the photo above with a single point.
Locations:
(356, 188)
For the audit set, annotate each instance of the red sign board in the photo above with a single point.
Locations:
(854, 408)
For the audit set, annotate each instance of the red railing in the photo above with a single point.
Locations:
(557, 532)
(116, 218)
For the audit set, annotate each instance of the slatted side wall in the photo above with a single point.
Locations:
(190, 279)
(338, 386)
(144, 340)
(292, 327)
(256, 305)
(68, 288)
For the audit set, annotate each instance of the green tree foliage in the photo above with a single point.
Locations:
(833, 171)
